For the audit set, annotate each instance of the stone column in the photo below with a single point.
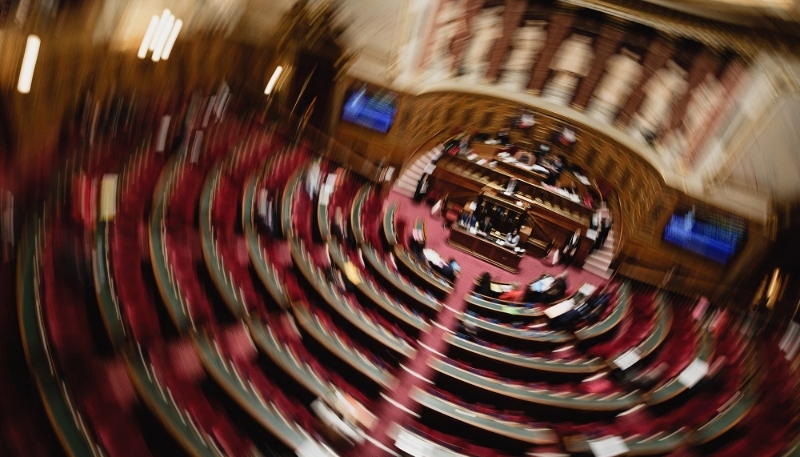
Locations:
(657, 55)
(703, 64)
(512, 15)
(429, 34)
(605, 47)
(732, 80)
(461, 40)
(558, 30)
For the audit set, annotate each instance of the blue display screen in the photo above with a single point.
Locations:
(373, 111)
(715, 238)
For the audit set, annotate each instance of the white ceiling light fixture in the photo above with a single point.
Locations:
(162, 21)
(273, 80)
(176, 29)
(162, 38)
(28, 64)
(148, 37)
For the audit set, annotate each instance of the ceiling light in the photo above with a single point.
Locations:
(176, 29)
(161, 23)
(148, 37)
(273, 80)
(162, 39)
(28, 64)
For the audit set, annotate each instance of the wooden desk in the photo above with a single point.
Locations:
(485, 249)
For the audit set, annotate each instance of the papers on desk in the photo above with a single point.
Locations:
(560, 308)
(481, 162)
(502, 155)
(610, 446)
(540, 168)
(627, 359)
(692, 374)
(587, 289)
(432, 256)
(583, 180)
(472, 156)
(501, 242)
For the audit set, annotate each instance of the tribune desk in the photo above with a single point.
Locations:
(485, 248)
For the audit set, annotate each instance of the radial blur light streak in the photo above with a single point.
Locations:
(28, 64)
(162, 21)
(273, 80)
(162, 38)
(148, 37)
(176, 29)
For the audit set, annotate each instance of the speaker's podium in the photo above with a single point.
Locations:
(505, 213)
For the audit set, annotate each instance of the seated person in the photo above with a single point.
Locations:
(417, 243)
(547, 289)
(484, 286)
(511, 186)
(449, 270)
(512, 239)
(486, 225)
(467, 219)
(517, 294)
(503, 138)
(587, 310)
(541, 152)
(567, 136)
(526, 121)
(524, 158)
(555, 169)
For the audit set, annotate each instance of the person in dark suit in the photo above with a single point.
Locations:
(570, 249)
(555, 170)
(484, 286)
(503, 138)
(486, 225)
(422, 187)
(604, 229)
(546, 289)
(468, 219)
(417, 243)
(511, 186)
